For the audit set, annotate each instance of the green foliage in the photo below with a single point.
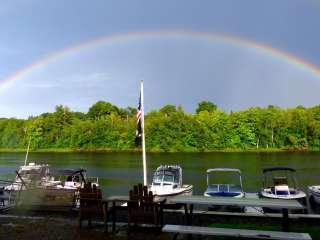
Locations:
(168, 110)
(206, 106)
(106, 126)
(101, 109)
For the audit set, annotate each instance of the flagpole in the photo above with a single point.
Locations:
(143, 139)
(26, 159)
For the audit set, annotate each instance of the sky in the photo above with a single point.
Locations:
(185, 51)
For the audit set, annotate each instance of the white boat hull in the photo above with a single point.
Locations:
(163, 191)
(297, 196)
(314, 191)
(239, 195)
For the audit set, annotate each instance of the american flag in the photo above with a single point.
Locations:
(139, 127)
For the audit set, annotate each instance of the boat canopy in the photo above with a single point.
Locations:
(223, 170)
(278, 169)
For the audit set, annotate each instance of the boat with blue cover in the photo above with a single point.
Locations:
(222, 186)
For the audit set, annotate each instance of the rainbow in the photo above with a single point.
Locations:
(179, 34)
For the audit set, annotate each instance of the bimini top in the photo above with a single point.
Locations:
(223, 170)
(68, 171)
(278, 169)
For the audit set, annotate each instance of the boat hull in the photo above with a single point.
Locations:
(299, 196)
(166, 192)
(46, 199)
(224, 194)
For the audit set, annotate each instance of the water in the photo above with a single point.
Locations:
(117, 172)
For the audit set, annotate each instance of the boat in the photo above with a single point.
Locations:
(281, 183)
(30, 176)
(221, 188)
(314, 193)
(167, 181)
(7, 197)
(71, 179)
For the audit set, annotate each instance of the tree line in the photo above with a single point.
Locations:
(106, 126)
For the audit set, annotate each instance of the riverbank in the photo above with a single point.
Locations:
(108, 150)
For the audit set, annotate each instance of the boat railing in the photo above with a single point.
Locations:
(9, 192)
(93, 180)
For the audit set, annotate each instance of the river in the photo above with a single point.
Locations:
(117, 172)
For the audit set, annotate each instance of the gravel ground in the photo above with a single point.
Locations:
(45, 228)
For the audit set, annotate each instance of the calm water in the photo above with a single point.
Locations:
(118, 171)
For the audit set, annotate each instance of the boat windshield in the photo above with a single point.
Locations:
(29, 172)
(166, 176)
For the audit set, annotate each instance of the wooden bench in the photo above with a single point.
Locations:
(91, 206)
(228, 232)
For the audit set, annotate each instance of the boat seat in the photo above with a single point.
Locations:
(280, 181)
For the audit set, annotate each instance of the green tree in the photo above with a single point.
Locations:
(101, 109)
(206, 106)
(168, 109)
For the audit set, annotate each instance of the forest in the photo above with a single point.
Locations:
(169, 129)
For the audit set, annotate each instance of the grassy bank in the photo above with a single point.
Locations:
(228, 150)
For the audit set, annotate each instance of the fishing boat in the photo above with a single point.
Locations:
(281, 183)
(167, 181)
(31, 175)
(222, 186)
(314, 193)
(59, 192)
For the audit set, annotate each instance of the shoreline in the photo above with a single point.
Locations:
(107, 150)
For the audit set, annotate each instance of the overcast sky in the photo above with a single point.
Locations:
(180, 71)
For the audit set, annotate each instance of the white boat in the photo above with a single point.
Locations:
(167, 181)
(71, 179)
(281, 183)
(31, 175)
(314, 193)
(224, 187)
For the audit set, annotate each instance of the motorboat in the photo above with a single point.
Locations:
(60, 191)
(314, 193)
(222, 186)
(281, 183)
(70, 179)
(31, 175)
(167, 181)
